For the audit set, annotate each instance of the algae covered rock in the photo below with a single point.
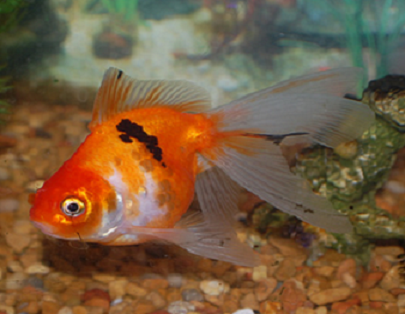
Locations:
(351, 174)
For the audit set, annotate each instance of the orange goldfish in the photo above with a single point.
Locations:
(153, 144)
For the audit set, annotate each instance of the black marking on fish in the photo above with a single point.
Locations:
(275, 138)
(134, 130)
(119, 74)
(125, 138)
(307, 210)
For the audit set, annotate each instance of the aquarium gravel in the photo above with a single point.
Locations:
(43, 275)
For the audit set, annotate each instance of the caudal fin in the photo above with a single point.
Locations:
(310, 108)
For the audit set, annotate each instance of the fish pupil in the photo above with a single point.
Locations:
(73, 207)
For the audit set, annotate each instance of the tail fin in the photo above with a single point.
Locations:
(308, 107)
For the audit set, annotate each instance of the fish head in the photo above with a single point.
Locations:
(71, 204)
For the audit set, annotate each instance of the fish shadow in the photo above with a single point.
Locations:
(85, 259)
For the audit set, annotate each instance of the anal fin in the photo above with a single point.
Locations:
(208, 239)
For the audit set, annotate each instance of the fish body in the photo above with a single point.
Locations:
(153, 144)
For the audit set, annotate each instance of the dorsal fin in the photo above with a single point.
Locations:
(119, 93)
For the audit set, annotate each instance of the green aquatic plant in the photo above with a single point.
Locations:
(4, 105)
(128, 9)
(11, 11)
(374, 23)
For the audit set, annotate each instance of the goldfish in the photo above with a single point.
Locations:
(155, 144)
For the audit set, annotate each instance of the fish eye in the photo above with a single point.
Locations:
(72, 207)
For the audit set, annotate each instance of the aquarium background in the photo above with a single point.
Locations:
(53, 54)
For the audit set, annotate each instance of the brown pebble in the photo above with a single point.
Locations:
(379, 263)
(144, 307)
(286, 270)
(117, 288)
(249, 301)
(31, 308)
(19, 242)
(330, 296)
(389, 250)
(49, 307)
(305, 310)
(391, 279)
(397, 291)
(135, 290)
(288, 247)
(155, 284)
(376, 304)
(325, 271)
(270, 307)
(370, 280)
(157, 300)
(95, 293)
(342, 307)
(231, 303)
(330, 258)
(97, 302)
(264, 288)
(347, 266)
(378, 294)
(291, 297)
(79, 310)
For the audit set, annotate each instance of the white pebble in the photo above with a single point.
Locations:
(212, 287)
(65, 310)
(244, 311)
(33, 186)
(349, 280)
(37, 269)
(259, 273)
(180, 307)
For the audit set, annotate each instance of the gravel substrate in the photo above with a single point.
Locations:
(43, 275)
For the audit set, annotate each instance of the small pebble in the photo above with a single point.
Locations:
(37, 269)
(391, 279)
(7, 309)
(330, 295)
(135, 290)
(259, 273)
(117, 288)
(192, 295)
(249, 301)
(244, 311)
(180, 307)
(33, 186)
(264, 288)
(212, 287)
(35, 282)
(157, 300)
(155, 283)
(8, 205)
(23, 227)
(378, 294)
(4, 174)
(65, 310)
(175, 280)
